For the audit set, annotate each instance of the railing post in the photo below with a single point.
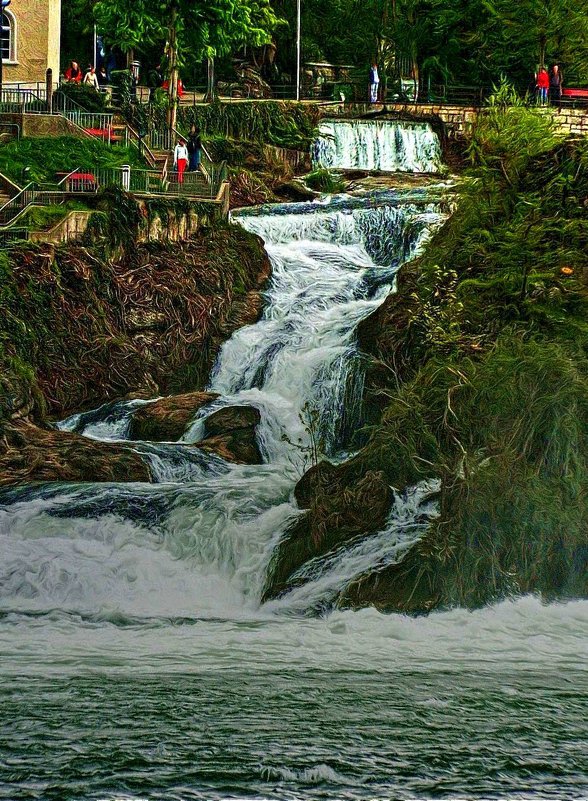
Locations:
(49, 89)
(126, 177)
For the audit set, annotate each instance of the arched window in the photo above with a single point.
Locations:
(8, 36)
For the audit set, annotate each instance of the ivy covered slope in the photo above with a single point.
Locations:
(479, 378)
(84, 324)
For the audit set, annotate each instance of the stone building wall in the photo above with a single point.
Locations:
(37, 29)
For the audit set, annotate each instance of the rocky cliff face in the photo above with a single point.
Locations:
(78, 329)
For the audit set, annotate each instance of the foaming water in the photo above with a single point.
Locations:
(384, 145)
(198, 543)
(135, 659)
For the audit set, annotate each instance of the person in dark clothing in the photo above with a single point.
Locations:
(194, 149)
(155, 77)
(555, 85)
(102, 76)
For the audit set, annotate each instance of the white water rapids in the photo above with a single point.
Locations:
(168, 576)
(136, 661)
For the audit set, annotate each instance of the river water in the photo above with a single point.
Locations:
(136, 661)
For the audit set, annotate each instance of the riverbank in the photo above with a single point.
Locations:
(478, 379)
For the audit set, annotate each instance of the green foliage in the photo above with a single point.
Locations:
(201, 29)
(467, 43)
(488, 342)
(325, 181)
(85, 96)
(282, 124)
(40, 218)
(45, 157)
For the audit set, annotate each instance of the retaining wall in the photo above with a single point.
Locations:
(458, 121)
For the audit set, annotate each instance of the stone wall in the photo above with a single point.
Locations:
(163, 225)
(458, 121)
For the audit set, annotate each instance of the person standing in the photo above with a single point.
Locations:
(91, 79)
(194, 149)
(102, 77)
(181, 158)
(555, 85)
(542, 85)
(374, 83)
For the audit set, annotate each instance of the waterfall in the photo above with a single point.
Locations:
(385, 145)
(198, 542)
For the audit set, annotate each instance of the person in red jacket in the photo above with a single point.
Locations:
(73, 73)
(542, 86)
(165, 85)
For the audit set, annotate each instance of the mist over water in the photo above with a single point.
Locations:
(135, 659)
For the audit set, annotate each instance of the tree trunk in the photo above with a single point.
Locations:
(210, 82)
(542, 49)
(172, 92)
(416, 78)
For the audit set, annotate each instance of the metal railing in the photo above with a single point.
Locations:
(11, 235)
(32, 194)
(141, 143)
(11, 209)
(155, 182)
(100, 126)
(23, 101)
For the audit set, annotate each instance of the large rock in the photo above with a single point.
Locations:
(340, 511)
(314, 482)
(231, 434)
(167, 419)
(29, 453)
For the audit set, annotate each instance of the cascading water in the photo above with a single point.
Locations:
(113, 596)
(385, 145)
(332, 265)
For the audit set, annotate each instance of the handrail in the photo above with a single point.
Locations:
(7, 182)
(73, 172)
(139, 142)
(26, 198)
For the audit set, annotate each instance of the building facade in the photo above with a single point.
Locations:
(31, 40)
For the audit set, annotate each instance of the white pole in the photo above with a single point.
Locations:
(94, 59)
(298, 48)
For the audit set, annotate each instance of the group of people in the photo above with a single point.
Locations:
(188, 154)
(90, 77)
(547, 85)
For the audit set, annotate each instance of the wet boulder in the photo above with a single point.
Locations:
(316, 480)
(167, 419)
(29, 453)
(231, 433)
(340, 510)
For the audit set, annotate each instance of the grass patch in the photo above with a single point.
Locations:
(45, 157)
(323, 180)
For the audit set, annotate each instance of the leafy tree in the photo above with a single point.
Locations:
(189, 28)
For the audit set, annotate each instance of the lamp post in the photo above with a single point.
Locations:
(5, 4)
(298, 46)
